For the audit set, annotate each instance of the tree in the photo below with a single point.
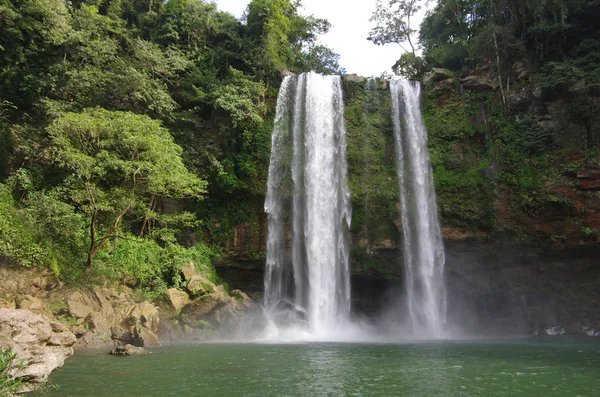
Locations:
(393, 23)
(285, 40)
(120, 164)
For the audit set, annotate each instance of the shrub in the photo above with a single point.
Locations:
(8, 383)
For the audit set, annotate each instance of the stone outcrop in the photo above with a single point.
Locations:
(589, 178)
(100, 317)
(32, 304)
(479, 83)
(435, 75)
(199, 286)
(103, 317)
(213, 312)
(41, 345)
(178, 299)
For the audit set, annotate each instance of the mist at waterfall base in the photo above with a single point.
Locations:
(307, 276)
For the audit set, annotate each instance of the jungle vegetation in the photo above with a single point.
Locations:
(134, 133)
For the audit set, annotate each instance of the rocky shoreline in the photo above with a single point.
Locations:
(43, 321)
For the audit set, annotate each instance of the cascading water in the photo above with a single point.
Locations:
(423, 247)
(307, 194)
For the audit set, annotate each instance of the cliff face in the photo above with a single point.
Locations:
(514, 162)
(519, 198)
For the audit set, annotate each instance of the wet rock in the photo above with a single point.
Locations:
(40, 345)
(128, 350)
(165, 332)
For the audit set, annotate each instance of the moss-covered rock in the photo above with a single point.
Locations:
(371, 173)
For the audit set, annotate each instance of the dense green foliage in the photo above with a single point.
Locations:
(372, 173)
(8, 384)
(461, 159)
(130, 128)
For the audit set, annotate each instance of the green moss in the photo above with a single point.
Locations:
(461, 156)
(371, 169)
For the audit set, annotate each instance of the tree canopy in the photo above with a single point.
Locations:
(139, 120)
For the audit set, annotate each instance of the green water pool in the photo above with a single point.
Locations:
(518, 367)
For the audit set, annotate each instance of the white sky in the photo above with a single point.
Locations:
(348, 34)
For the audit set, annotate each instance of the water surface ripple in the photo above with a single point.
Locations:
(520, 367)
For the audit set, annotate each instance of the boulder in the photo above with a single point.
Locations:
(444, 84)
(188, 270)
(121, 334)
(479, 83)
(435, 75)
(146, 315)
(200, 285)
(205, 304)
(4, 304)
(40, 345)
(518, 100)
(32, 304)
(78, 309)
(144, 337)
(103, 297)
(522, 69)
(128, 350)
(177, 298)
(241, 301)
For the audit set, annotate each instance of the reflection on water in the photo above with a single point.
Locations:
(328, 372)
(531, 367)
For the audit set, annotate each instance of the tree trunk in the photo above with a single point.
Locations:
(91, 252)
(589, 135)
(498, 66)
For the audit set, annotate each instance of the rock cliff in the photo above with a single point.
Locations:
(40, 346)
(518, 195)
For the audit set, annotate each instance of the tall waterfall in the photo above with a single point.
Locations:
(308, 197)
(423, 247)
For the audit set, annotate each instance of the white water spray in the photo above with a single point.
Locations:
(308, 196)
(423, 247)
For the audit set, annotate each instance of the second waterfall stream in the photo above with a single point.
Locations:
(424, 255)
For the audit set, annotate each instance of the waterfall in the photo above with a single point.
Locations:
(309, 201)
(423, 247)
